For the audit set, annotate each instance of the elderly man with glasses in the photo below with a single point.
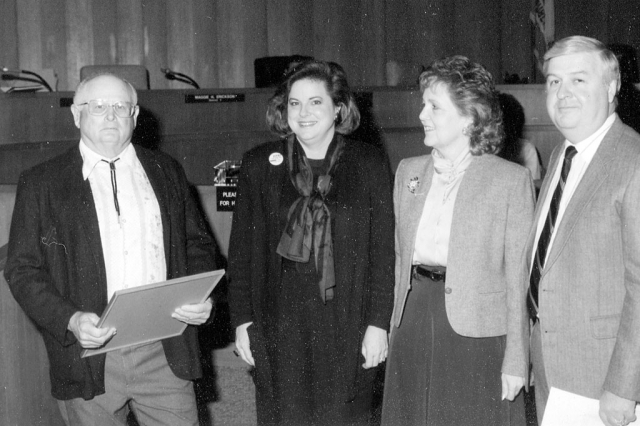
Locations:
(104, 216)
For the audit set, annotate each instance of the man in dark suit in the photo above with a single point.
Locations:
(584, 249)
(101, 217)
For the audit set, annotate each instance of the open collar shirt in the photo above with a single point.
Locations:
(132, 242)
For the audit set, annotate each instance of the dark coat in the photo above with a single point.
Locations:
(55, 264)
(361, 205)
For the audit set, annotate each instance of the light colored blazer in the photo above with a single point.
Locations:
(493, 213)
(590, 288)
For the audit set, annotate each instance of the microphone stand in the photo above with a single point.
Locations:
(38, 77)
(172, 75)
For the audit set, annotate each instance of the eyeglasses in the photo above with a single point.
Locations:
(100, 107)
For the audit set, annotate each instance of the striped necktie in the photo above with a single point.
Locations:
(547, 232)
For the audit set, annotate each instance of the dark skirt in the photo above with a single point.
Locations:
(436, 377)
(306, 359)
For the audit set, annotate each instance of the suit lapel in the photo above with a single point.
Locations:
(413, 204)
(280, 189)
(473, 183)
(80, 198)
(593, 178)
(544, 191)
(280, 195)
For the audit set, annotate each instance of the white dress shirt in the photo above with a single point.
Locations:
(432, 238)
(132, 243)
(586, 150)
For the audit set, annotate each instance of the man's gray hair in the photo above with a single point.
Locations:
(581, 44)
(132, 91)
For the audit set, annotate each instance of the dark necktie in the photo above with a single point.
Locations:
(545, 235)
(114, 184)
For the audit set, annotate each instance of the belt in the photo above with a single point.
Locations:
(433, 275)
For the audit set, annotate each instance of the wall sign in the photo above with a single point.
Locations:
(214, 97)
(225, 198)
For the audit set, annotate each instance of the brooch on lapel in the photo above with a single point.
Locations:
(413, 185)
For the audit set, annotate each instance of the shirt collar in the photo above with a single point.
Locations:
(90, 158)
(451, 169)
(596, 136)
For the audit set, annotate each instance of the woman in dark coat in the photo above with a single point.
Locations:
(311, 256)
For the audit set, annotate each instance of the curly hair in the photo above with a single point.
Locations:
(474, 95)
(335, 81)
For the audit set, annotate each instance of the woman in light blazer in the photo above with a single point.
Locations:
(459, 331)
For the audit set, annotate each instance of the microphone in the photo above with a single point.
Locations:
(13, 77)
(17, 77)
(172, 75)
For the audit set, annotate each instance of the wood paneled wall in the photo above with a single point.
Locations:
(216, 41)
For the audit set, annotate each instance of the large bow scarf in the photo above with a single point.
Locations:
(309, 219)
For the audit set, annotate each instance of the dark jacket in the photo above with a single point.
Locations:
(361, 206)
(55, 264)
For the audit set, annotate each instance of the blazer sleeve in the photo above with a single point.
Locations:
(519, 221)
(27, 269)
(381, 254)
(202, 249)
(242, 240)
(623, 376)
(398, 298)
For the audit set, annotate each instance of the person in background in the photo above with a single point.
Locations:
(515, 147)
(459, 340)
(311, 256)
(103, 216)
(583, 253)
(628, 97)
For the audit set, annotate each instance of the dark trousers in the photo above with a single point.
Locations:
(539, 376)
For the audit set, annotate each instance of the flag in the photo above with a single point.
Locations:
(3, 256)
(543, 20)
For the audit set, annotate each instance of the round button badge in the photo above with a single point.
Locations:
(276, 158)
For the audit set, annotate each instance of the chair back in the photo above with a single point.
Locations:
(137, 75)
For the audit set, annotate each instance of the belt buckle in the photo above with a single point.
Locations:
(432, 275)
(427, 273)
(436, 276)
